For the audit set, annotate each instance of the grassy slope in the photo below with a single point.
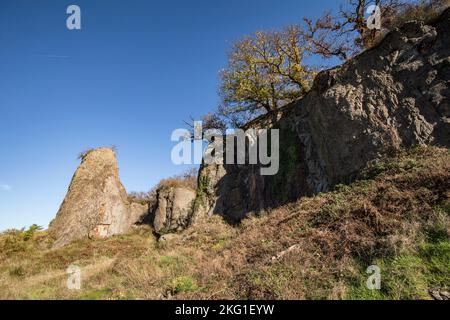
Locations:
(396, 216)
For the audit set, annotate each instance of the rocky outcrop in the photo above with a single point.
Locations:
(173, 209)
(96, 205)
(392, 96)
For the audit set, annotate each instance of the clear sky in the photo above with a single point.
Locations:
(134, 72)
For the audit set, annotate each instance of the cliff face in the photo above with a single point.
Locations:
(393, 96)
(96, 204)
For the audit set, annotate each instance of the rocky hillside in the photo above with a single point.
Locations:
(364, 180)
(394, 96)
(396, 216)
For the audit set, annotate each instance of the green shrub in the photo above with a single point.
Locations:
(14, 241)
(184, 284)
(29, 233)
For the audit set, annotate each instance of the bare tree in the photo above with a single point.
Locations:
(346, 33)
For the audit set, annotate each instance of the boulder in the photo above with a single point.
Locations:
(173, 209)
(96, 204)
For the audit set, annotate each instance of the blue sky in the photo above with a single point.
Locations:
(134, 72)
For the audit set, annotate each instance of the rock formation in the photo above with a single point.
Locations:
(173, 209)
(96, 205)
(392, 96)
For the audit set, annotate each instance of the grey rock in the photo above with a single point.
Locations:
(439, 295)
(393, 96)
(174, 209)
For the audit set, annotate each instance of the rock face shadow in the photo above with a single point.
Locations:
(393, 96)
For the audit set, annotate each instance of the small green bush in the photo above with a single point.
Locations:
(29, 233)
(184, 284)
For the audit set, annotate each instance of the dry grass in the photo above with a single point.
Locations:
(422, 11)
(395, 216)
(336, 233)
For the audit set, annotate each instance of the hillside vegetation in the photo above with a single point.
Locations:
(395, 216)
